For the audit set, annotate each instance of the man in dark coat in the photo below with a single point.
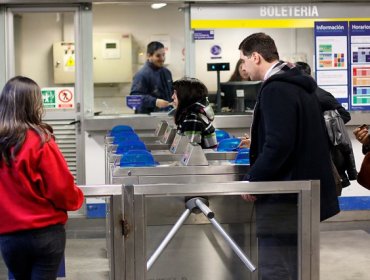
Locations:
(153, 81)
(289, 142)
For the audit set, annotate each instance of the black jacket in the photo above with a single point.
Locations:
(329, 102)
(343, 158)
(289, 140)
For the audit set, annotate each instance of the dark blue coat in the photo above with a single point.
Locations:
(289, 140)
(152, 82)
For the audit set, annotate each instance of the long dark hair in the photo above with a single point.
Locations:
(21, 109)
(235, 76)
(188, 92)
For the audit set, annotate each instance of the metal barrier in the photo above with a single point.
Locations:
(114, 236)
(138, 211)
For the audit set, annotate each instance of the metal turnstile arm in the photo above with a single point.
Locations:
(209, 214)
(167, 239)
(198, 202)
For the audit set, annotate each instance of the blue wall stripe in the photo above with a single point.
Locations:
(347, 203)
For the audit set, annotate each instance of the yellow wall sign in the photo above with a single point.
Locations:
(279, 15)
(264, 23)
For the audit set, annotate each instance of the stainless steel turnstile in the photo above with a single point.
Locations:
(146, 214)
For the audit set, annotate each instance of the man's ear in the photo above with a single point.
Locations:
(257, 58)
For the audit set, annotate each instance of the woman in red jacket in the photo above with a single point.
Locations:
(37, 188)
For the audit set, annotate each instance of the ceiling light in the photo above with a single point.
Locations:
(157, 6)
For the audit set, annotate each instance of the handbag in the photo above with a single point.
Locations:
(363, 177)
(337, 131)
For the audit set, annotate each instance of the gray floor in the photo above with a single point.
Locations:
(344, 252)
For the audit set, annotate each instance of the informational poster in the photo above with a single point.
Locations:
(58, 97)
(359, 32)
(331, 52)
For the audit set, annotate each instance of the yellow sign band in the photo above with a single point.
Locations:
(264, 23)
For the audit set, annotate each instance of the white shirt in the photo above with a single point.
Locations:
(268, 73)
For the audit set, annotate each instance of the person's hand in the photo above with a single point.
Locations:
(245, 141)
(161, 103)
(248, 197)
(362, 134)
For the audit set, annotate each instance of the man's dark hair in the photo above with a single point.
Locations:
(262, 44)
(304, 67)
(153, 47)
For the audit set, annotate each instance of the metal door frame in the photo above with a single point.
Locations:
(84, 75)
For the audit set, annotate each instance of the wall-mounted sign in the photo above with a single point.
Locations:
(216, 51)
(205, 16)
(331, 52)
(360, 65)
(204, 35)
(58, 97)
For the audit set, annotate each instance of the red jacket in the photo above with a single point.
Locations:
(38, 189)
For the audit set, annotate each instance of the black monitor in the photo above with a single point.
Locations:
(232, 92)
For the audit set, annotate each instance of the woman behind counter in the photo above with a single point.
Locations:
(239, 74)
(36, 187)
(194, 115)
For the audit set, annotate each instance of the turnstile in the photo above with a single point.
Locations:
(203, 171)
(153, 142)
(175, 155)
(146, 215)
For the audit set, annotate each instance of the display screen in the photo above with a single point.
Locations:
(232, 90)
(111, 45)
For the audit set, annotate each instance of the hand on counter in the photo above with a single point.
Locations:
(161, 103)
(245, 141)
(248, 197)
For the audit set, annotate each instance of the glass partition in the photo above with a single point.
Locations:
(44, 44)
(121, 33)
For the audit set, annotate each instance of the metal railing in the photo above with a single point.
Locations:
(130, 206)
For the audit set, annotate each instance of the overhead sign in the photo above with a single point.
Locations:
(58, 97)
(205, 16)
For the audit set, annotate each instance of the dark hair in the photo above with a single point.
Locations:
(262, 44)
(235, 76)
(21, 108)
(153, 47)
(304, 67)
(188, 92)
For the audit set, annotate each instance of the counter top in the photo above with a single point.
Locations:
(149, 122)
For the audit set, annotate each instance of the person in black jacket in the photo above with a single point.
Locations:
(343, 157)
(289, 142)
(327, 100)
